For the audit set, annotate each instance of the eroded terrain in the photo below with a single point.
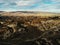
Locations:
(31, 30)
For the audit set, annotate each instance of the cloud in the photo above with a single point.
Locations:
(34, 5)
(23, 3)
(26, 2)
(53, 6)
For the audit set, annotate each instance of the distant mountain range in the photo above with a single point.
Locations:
(28, 13)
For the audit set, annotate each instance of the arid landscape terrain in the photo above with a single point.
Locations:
(29, 13)
(29, 28)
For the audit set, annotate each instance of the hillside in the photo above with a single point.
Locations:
(29, 28)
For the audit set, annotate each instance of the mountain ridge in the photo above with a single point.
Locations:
(28, 13)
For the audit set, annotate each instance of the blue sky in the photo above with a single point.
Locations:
(30, 5)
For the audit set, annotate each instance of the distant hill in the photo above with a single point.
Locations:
(28, 13)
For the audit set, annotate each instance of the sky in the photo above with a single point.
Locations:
(30, 5)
